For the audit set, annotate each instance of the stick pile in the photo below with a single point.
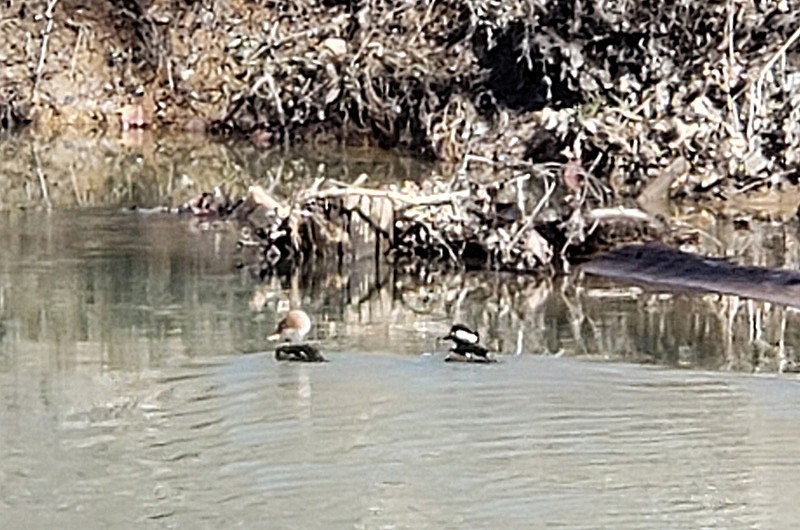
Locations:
(445, 225)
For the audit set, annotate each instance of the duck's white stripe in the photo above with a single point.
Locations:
(466, 336)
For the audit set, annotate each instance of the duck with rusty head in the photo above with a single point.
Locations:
(466, 347)
(292, 329)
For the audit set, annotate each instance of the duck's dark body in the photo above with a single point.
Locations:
(469, 353)
(303, 353)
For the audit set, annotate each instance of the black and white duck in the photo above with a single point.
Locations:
(466, 347)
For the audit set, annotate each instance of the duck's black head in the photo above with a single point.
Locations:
(461, 334)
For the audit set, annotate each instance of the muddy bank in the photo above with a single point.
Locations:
(650, 101)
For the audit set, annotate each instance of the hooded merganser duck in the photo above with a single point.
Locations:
(465, 346)
(469, 353)
(292, 329)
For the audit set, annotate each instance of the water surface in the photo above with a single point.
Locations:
(136, 390)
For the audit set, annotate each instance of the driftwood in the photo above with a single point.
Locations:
(661, 266)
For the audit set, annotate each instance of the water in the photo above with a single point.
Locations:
(136, 390)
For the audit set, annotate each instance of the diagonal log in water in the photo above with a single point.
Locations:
(662, 266)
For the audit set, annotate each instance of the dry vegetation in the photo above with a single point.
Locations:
(699, 96)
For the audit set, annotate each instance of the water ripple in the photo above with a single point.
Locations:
(372, 441)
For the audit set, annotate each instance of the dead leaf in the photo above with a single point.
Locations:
(336, 46)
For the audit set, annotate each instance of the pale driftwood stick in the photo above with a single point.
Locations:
(43, 185)
(532, 217)
(42, 181)
(260, 196)
(74, 180)
(394, 196)
(634, 214)
(475, 158)
(48, 14)
(248, 243)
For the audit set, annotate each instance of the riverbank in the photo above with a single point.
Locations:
(649, 102)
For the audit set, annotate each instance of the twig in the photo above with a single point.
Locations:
(273, 92)
(367, 219)
(436, 235)
(532, 217)
(75, 189)
(774, 59)
(730, 83)
(81, 29)
(48, 14)
(394, 196)
(476, 158)
(757, 89)
(248, 243)
(42, 181)
(634, 214)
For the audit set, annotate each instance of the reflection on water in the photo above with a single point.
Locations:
(135, 390)
(146, 170)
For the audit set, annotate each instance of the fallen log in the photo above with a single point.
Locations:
(660, 266)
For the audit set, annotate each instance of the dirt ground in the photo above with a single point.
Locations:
(101, 66)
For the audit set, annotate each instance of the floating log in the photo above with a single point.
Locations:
(660, 266)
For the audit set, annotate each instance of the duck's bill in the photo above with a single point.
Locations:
(274, 336)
